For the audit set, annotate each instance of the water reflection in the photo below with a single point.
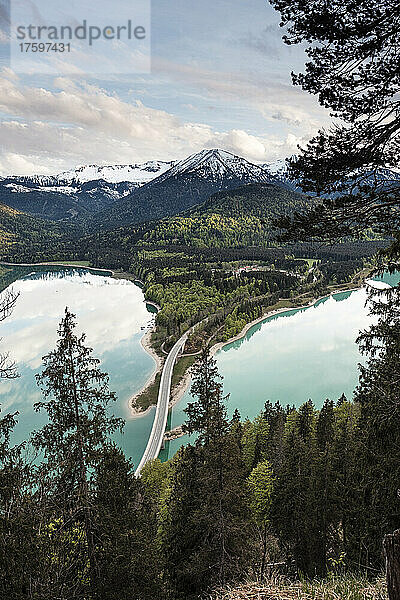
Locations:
(111, 312)
(292, 356)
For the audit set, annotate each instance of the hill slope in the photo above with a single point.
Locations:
(22, 235)
(55, 199)
(110, 196)
(239, 217)
(187, 184)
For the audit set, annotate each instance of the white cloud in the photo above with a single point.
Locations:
(273, 97)
(49, 131)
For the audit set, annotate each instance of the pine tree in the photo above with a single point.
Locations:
(207, 415)
(328, 516)
(346, 466)
(260, 484)
(17, 517)
(255, 441)
(352, 47)
(275, 415)
(181, 530)
(126, 525)
(378, 395)
(208, 513)
(72, 444)
(294, 513)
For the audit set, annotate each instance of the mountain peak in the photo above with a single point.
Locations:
(216, 165)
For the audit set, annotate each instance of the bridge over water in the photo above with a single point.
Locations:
(156, 437)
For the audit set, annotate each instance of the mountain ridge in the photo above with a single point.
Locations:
(106, 196)
(188, 183)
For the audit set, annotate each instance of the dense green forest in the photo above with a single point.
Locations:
(296, 490)
(238, 218)
(192, 264)
(25, 238)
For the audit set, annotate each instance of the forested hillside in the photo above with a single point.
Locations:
(54, 199)
(237, 218)
(24, 237)
(292, 494)
(221, 261)
(188, 183)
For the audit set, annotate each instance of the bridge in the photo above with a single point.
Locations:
(160, 419)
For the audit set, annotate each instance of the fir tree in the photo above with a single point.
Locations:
(260, 484)
(126, 551)
(72, 444)
(378, 395)
(17, 517)
(294, 513)
(208, 494)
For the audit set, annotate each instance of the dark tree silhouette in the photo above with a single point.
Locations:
(7, 366)
(73, 442)
(354, 69)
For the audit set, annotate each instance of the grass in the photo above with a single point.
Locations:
(310, 261)
(336, 587)
(182, 365)
(149, 396)
(124, 275)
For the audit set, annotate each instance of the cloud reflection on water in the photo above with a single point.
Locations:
(108, 310)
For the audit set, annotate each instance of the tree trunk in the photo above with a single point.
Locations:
(391, 550)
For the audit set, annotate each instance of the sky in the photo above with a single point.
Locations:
(220, 77)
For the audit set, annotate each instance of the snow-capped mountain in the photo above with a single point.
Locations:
(279, 170)
(187, 183)
(384, 176)
(216, 165)
(275, 167)
(136, 173)
(79, 192)
(51, 198)
(114, 195)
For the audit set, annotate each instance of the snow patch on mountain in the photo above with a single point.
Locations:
(275, 167)
(135, 173)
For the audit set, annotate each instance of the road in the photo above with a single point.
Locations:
(160, 419)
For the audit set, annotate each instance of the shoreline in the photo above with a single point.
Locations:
(179, 392)
(145, 342)
(181, 388)
(57, 264)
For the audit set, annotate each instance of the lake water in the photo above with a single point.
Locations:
(290, 357)
(110, 311)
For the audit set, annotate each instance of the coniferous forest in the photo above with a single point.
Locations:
(299, 497)
(295, 492)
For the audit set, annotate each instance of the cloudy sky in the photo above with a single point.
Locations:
(220, 77)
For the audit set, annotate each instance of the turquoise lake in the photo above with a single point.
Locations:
(111, 312)
(289, 357)
(293, 356)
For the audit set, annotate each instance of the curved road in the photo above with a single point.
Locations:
(160, 420)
